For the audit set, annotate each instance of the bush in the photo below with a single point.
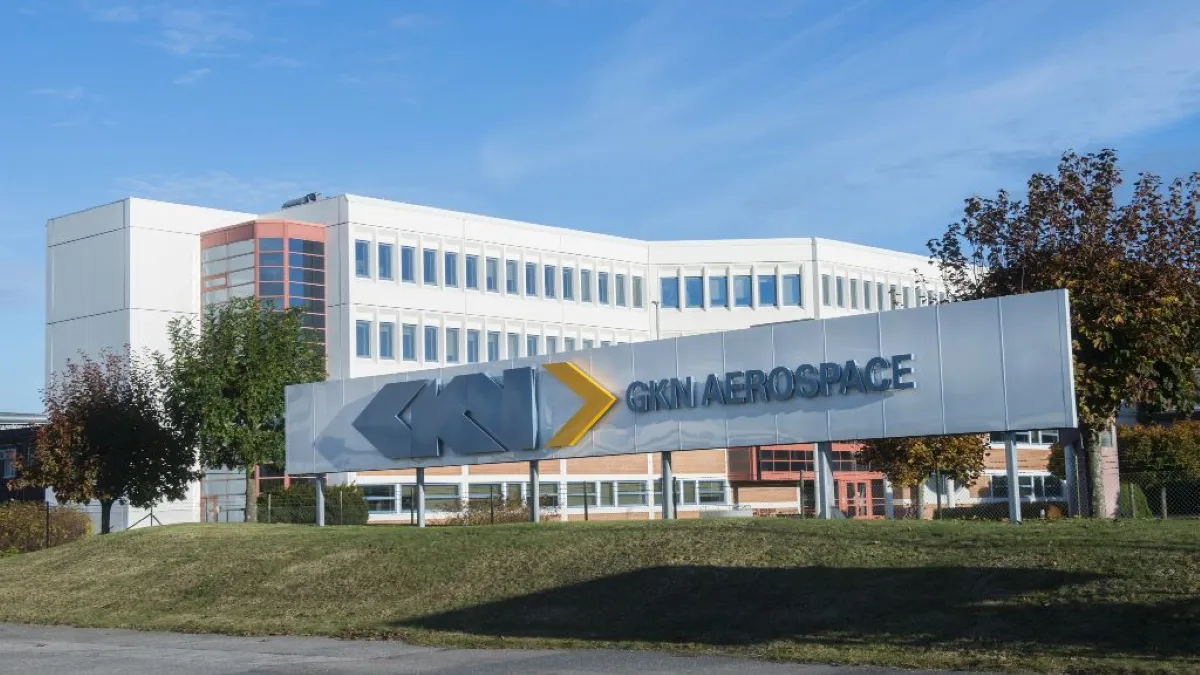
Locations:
(999, 511)
(1132, 502)
(344, 505)
(481, 512)
(23, 526)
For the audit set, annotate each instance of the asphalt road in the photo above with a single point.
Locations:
(38, 650)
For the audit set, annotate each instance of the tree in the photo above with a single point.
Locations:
(909, 461)
(108, 436)
(1132, 271)
(228, 379)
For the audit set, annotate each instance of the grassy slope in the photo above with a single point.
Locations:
(1083, 596)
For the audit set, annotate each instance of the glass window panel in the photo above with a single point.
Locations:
(362, 339)
(514, 345)
(385, 262)
(270, 274)
(549, 280)
(431, 343)
(216, 267)
(585, 285)
(1000, 486)
(239, 248)
(362, 258)
(316, 306)
(242, 262)
(472, 346)
(693, 292)
(1048, 436)
(907, 296)
(587, 344)
(219, 295)
(669, 293)
(306, 276)
(792, 290)
(854, 294)
(551, 344)
(429, 266)
(306, 246)
(241, 277)
(866, 290)
(718, 291)
(451, 345)
(619, 286)
(304, 260)
(841, 291)
(530, 278)
(387, 340)
(493, 346)
(214, 282)
(243, 291)
(1052, 487)
(766, 291)
(602, 287)
(306, 290)
(442, 498)
(638, 293)
(492, 274)
(548, 494)
(743, 290)
(880, 296)
(579, 492)
(270, 244)
(408, 263)
(632, 493)
(568, 283)
(472, 262)
(215, 253)
(711, 491)
(531, 345)
(510, 282)
(569, 344)
(825, 293)
(451, 269)
(408, 344)
(312, 320)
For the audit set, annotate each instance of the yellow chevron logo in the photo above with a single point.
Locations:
(596, 401)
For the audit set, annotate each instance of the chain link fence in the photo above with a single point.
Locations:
(1159, 494)
(34, 526)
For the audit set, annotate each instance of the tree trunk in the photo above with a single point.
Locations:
(251, 496)
(105, 515)
(1095, 470)
(919, 498)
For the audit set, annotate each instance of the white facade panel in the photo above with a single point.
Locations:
(182, 218)
(87, 276)
(87, 223)
(164, 271)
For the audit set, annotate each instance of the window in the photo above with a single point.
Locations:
(551, 344)
(408, 342)
(866, 286)
(408, 263)
(718, 291)
(548, 494)
(451, 345)
(579, 493)
(387, 340)
(602, 287)
(451, 269)
(510, 280)
(531, 345)
(362, 339)
(743, 291)
(638, 301)
(549, 279)
(8, 462)
(841, 291)
(442, 497)
(431, 343)
(472, 262)
(605, 343)
(472, 346)
(693, 292)
(492, 275)
(568, 344)
(670, 292)
(631, 493)
(493, 346)
(585, 285)
(568, 286)
(854, 294)
(385, 261)
(879, 295)
(1033, 487)
(362, 258)
(766, 290)
(893, 297)
(907, 296)
(587, 344)
(619, 283)
(380, 498)
(429, 266)
(264, 244)
(1047, 437)
(792, 290)
(710, 491)
(530, 278)
(825, 290)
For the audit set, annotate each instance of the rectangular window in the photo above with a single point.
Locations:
(362, 339)
(451, 269)
(380, 498)
(429, 266)
(578, 493)
(825, 290)
(585, 285)
(718, 291)
(792, 296)
(631, 493)
(880, 296)
(638, 301)
(431, 343)
(907, 296)
(408, 342)
(669, 294)
(568, 285)
(451, 345)
(619, 284)
(514, 346)
(408, 263)
(385, 261)
(510, 281)
(693, 292)
(766, 291)
(893, 297)
(854, 294)
(387, 340)
(587, 344)
(602, 287)
(743, 291)
(1000, 486)
(362, 258)
(568, 344)
(549, 280)
(866, 286)
(472, 262)
(492, 275)
(841, 291)
(493, 346)
(531, 345)
(548, 494)
(551, 344)
(472, 346)
(530, 278)
(711, 491)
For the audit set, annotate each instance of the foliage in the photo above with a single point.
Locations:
(23, 526)
(1133, 271)
(909, 461)
(497, 511)
(999, 511)
(344, 505)
(108, 436)
(1132, 502)
(1168, 449)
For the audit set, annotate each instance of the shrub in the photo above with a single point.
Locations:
(23, 526)
(344, 505)
(1132, 502)
(999, 511)
(481, 512)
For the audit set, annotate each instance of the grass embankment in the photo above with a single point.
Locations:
(1065, 596)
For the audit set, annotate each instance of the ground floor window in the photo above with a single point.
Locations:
(1036, 487)
(693, 492)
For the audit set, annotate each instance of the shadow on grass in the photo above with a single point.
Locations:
(950, 606)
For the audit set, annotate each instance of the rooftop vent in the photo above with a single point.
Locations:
(306, 199)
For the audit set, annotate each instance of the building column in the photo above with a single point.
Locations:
(889, 500)
(535, 493)
(1070, 484)
(951, 502)
(319, 486)
(668, 483)
(1014, 487)
(420, 496)
(823, 465)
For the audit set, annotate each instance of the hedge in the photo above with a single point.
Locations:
(23, 526)
(344, 505)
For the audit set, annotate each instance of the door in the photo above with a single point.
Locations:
(854, 497)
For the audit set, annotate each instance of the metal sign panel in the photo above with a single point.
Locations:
(970, 367)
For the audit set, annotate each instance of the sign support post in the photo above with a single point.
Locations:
(320, 491)
(889, 500)
(535, 495)
(1069, 484)
(824, 471)
(420, 496)
(668, 491)
(1014, 487)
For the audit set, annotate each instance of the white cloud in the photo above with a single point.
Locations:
(219, 189)
(113, 13)
(192, 76)
(274, 61)
(178, 29)
(61, 93)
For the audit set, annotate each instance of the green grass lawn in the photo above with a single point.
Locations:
(1060, 596)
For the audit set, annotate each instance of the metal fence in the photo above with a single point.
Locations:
(1159, 494)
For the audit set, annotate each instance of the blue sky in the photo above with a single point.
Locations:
(866, 121)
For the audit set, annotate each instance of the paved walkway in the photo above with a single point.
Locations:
(38, 650)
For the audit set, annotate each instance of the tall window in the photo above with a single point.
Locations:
(792, 296)
(825, 290)
(638, 297)
(619, 283)
(451, 345)
(408, 263)
(530, 278)
(568, 344)
(841, 291)
(743, 291)
(531, 345)
(493, 345)
(551, 344)
(866, 285)
(431, 343)
(451, 269)
(362, 339)
(492, 275)
(718, 291)
(408, 342)
(693, 292)
(387, 340)
(587, 344)
(472, 346)
(549, 280)
(602, 287)
(510, 279)
(429, 266)
(585, 285)
(907, 296)
(854, 294)
(880, 296)
(362, 258)
(472, 271)
(514, 346)
(568, 286)
(766, 290)
(670, 292)
(385, 262)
